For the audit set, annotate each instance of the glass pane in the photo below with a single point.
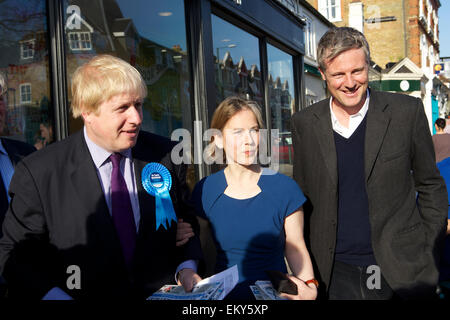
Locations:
(281, 93)
(151, 36)
(236, 60)
(24, 63)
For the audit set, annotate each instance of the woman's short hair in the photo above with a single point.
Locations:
(102, 78)
(440, 123)
(224, 112)
(338, 40)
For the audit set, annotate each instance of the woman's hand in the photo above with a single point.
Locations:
(304, 291)
(184, 232)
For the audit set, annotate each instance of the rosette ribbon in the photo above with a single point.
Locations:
(157, 181)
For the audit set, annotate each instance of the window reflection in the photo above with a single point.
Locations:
(25, 65)
(282, 103)
(237, 65)
(148, 34)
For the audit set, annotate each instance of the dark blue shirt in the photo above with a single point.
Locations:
(249, 233)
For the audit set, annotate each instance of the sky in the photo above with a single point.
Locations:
(444, 28)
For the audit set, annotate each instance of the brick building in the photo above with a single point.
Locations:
(399, 32)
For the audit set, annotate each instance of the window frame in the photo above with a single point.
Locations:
(79, 41)
(310, 44)
(21, 87)
(28, 49)
(325, 8)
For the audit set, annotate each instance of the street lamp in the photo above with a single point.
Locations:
(228, 46)
(219, 80)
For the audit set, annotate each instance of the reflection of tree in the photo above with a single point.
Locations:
(20, 17)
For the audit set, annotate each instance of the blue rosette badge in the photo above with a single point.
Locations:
(157, 181)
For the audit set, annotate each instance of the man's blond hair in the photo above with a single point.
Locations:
(102, 78)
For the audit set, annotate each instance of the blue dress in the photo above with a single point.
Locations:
(248, 232)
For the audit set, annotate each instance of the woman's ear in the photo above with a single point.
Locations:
(218, 140)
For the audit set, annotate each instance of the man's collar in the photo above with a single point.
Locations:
(100, 155)
(362, 112)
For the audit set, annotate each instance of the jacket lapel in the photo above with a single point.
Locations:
(324, 134)
(90, 194)
(12, 151)
(377, 124)
(146, 201)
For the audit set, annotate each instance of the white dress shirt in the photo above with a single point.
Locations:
(354, 120)
(104, 169)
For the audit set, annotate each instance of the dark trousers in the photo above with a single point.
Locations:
(349, 282)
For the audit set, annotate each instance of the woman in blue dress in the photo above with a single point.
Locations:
(255, 213)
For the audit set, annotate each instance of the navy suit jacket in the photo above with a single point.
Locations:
(59, 217)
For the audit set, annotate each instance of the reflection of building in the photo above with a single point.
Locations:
(164, 69)
(235, 79)
(315, 27)
(101, 30)
(280, 103)
(396, 30)
(26, 73)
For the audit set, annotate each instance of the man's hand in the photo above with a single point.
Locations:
(188, 279)
(305, 291)
(184, 232)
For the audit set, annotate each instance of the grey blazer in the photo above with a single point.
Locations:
(407, 232)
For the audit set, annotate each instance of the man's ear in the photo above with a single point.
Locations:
(322, 73)
(86, 115)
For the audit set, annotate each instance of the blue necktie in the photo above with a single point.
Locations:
(122, 212)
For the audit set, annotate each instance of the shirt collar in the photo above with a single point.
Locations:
(100, 155)
(361, 113)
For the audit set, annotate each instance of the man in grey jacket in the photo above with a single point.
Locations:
(378, 207)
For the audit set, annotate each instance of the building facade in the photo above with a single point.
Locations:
(396, 30)
(192, 54)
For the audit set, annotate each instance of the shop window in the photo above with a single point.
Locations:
(236, 62)
(25, 93)
(24, 61)
(330, 9)
(148, 34)
(281, 104)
